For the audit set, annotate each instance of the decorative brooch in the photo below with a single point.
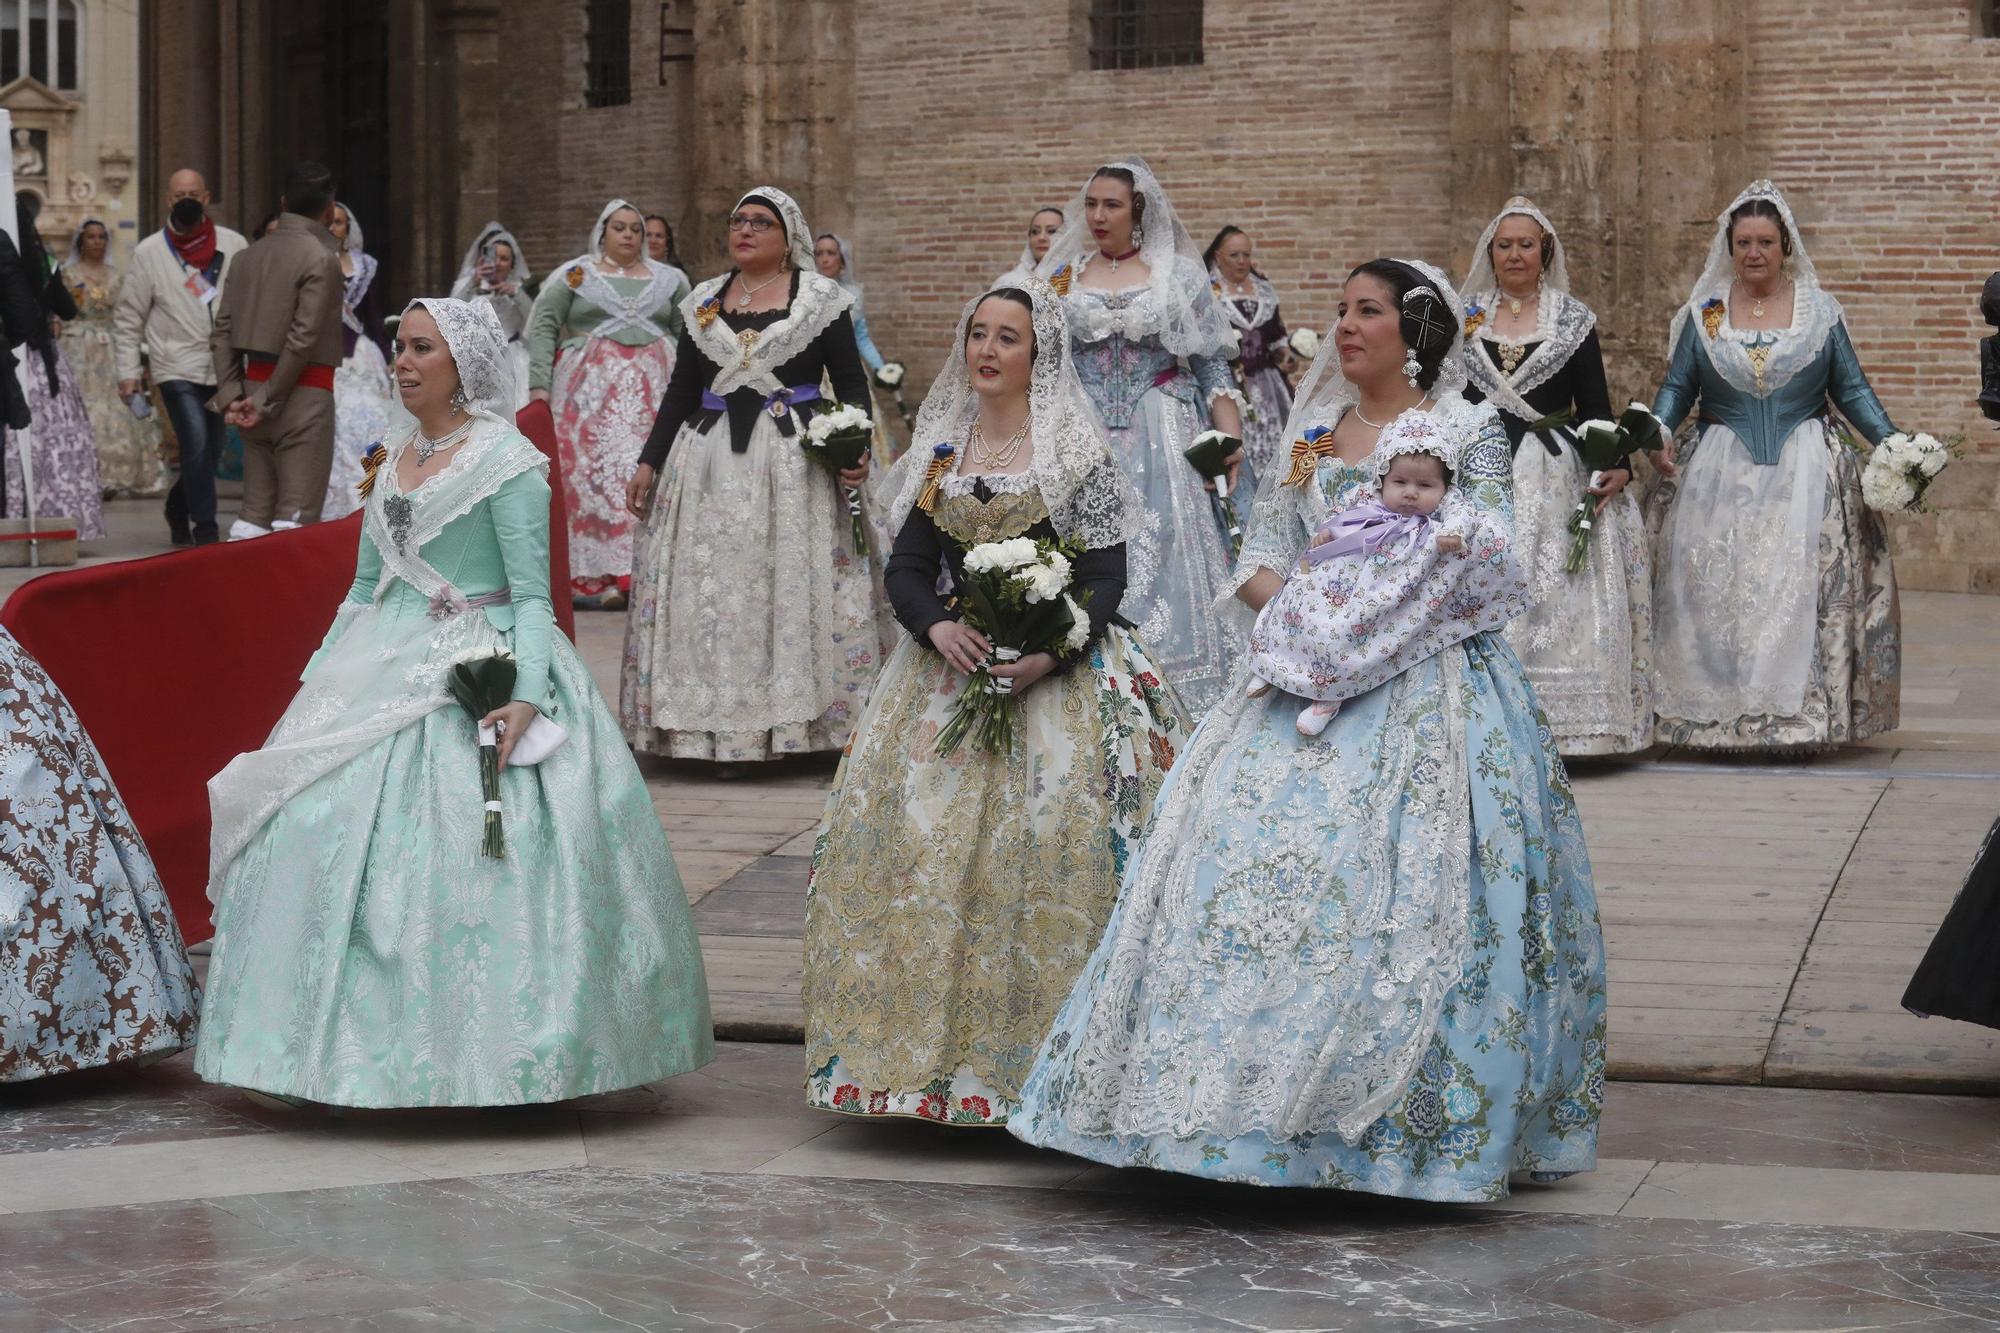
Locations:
(1307, 450)
(574, 277)
(706, 312)
(1475, 315)
(371, 463)
(942, 455)
(1713, 311)
(1059, 281)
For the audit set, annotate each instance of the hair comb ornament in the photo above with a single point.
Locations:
(1423, 305)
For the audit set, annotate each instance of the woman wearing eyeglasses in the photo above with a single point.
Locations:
(754, 627)
(600, 349)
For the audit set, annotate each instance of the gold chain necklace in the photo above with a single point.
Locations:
(985, 458)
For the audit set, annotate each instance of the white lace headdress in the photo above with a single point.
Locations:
(355, 243)
(595, 250)
(1814, 311)
(1562, 321)
(1414, 432)
(1324, 392)
(848, 278)
(478, 348)
(798, 236)
(1191, 319)
(490, 235)
(1087, 493)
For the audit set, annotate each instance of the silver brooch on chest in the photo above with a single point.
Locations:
(401, 515)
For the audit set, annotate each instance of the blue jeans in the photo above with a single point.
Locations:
(202, 439)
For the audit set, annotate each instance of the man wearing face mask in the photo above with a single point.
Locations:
(167, 310)
(275, 346)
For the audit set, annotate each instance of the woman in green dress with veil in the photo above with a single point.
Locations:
(366, 952)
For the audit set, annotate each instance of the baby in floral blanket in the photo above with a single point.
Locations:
(1392, 573)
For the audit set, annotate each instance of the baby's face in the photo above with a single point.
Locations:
(1415, 484)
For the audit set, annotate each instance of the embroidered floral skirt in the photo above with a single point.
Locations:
(128, 449)
(755, 627)
(1587, 640)
(1264, 443)
(604, 396)
(67, 484)
(1367, 961)
(92, 971)
(1776, 620)
(954, 900)
(367, 954)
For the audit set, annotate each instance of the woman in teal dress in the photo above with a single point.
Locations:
(1371, 960)
(366, 952)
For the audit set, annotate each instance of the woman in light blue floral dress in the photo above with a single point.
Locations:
(1153, 349)
(366, 952)
(1370, 960)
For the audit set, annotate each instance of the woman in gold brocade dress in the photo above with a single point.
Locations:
(954, 899)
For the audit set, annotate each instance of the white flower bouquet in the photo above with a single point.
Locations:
(1901, 469)
(889, 374)
(1017, 593)
(1603, 445)
(1304, 344)
(838, 439)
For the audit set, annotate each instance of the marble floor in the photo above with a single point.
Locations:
(147, 1200)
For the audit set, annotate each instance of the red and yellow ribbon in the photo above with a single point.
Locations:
(371, 463)
(1307, 451)
(942, 458)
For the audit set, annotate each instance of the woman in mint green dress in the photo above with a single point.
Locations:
(366, 952)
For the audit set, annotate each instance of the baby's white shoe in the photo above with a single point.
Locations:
(1258, 688)
(1314, 717)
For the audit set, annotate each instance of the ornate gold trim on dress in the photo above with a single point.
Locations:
(1307, 451)
(705, 314)
(1760, 356)
(747, 340)
(971, 520)
(1713, 312)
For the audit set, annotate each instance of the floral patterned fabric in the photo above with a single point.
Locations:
(1777, 621)
(756, 628)
(1586, 640)
(128, 449)
(92, 971)
(604, 395)
(953, 901)
(1345, 625)
(1369, 960)
(66, 478)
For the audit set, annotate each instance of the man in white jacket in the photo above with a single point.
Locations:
(168, 306)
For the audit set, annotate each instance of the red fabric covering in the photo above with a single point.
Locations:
(178, 663)
(537, 423)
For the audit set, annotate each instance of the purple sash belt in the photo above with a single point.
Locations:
(779, 405)
(452, 602)
(1364, 530)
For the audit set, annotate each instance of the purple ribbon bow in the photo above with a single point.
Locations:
(1364, 530)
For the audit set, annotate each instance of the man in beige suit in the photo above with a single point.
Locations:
(275, 345)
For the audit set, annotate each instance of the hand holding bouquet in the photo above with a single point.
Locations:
(1016, 593)
(1603, 445)
(1210, 454)
(1901, 469)
(838, 440)
(483, 681)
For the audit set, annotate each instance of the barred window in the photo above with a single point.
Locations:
(40, 38)
(1143, 34)
(607, 53)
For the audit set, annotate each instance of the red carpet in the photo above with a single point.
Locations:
(178, 663)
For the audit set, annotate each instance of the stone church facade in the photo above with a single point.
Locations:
(926, 133)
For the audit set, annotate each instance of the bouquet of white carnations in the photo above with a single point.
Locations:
(1901, 469)
(839, 439)
(889, 374)
(483, 681)
(1603, 445)
(1304, 344)
(1017, 593)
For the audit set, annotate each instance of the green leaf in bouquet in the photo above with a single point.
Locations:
(482, 684)
(1600, 449)
(1641, 429)
(1210, 453)
(843, 449)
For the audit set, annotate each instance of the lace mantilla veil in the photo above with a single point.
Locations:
(466, 284)
(478, 348)
(1192, 322)
(1815, 312)
(1563, 324)
(1089, 498)
(798, 236)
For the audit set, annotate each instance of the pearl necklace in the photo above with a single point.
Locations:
(1383, 425)
(985, 458)
(426, 446)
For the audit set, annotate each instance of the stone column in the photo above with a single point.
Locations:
(1621, 119)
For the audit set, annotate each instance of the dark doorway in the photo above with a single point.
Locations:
(333, 95)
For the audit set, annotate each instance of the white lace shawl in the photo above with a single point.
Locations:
(818, 303)
(1089, 498)
(1562, 323)
(1261, 290)
(1178, 305)
(1815, 314)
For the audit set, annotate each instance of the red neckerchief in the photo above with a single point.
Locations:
(197, 248)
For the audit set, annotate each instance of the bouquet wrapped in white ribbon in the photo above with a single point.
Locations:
(1017, 593)
(1901, 469)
